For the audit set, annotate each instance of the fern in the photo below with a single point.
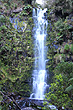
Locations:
(69, 88)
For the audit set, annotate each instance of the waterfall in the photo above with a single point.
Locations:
(39, 72)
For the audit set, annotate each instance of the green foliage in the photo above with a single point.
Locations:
(64, 68)
(6, 5)
(2, 20)
(71, 49)
(69, 88)
(66, 47)
(59, 58)
(27, 10)
(60, 34)
(59, 25)
(65, 5)
(16, 55)
(62, 27)
(16, 52)
(57, 95)
(27, 7)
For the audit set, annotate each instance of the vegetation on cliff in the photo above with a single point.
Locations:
(60, 54)
(16, 53)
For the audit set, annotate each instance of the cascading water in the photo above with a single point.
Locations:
(39, 73)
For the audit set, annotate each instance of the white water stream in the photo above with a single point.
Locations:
(39, 73)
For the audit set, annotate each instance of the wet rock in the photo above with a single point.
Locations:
(52, 107)
(34, 103)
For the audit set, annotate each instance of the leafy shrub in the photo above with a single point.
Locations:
(70, 87)
(65, 68)
(28, 8)
(62, 84)
(56, 95)
(66, 47)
